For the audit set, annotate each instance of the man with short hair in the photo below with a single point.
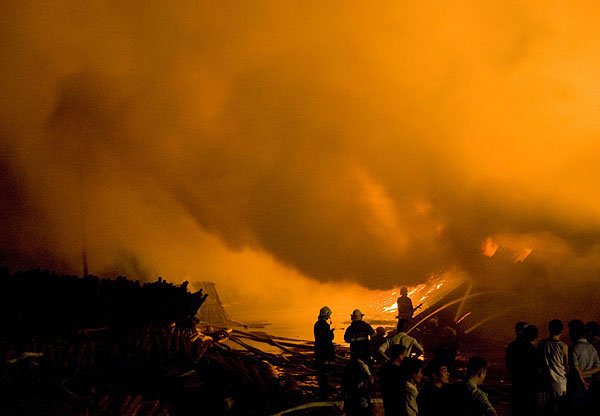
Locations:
(592, 329)
(511, 363)
(584, 363)
(555, 361)
(358, 335)
(401, 338)
(391, 379)
(525, 377)
(514, 363)
(433, 400)
(411, 377)
(466, 397)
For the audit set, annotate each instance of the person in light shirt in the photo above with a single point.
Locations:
(584, 361)
(402, 338)
(555, 362)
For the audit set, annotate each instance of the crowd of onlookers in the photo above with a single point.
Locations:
(548, 377)
(407, 386)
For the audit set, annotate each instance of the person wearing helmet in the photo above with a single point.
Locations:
(358, 334)
(324, 350)
(405, 306)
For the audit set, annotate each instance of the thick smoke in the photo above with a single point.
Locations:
(376, 144)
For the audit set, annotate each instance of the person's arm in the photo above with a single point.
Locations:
(591, 371)
(412, 407)
(419, 349)
(371, 331)
(330, 335)
(484, 403)
(580, 374)
(595, 366)
(575, 366)
(383, 349)
(347, 335)
(367, 371)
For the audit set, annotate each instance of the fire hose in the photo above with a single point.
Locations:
(311, 405)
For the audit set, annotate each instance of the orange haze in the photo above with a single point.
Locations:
(291, 150)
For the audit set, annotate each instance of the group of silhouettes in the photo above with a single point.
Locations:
(401, 373)
(551, 378)
(548, 377)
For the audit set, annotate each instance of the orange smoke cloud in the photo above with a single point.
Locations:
(377, 144)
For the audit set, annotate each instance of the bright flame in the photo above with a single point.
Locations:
(384, 303)
(490, 247)
(523, 254)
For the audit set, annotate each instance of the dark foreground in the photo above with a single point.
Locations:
(72, 346)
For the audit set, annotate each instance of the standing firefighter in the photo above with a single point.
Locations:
(324, 350)
(358, 335)
(405, 306)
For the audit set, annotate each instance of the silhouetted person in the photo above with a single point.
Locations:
(356, 383)
(376, 341)
(446, 347)
(583, 358)
(324, 349)
(405, 305)
(512, 363)
(433, 399)
(411, 377)
(358, 334)
(519, 331)
(593, 336)
(402, 338)
(555, 362)
(466, 397)
(431, 334)
(392, 382)
(592, 331)
(525, 376)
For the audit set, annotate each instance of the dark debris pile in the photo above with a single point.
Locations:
(89, 346)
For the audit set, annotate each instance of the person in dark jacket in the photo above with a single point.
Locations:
(433, 400)
(356, 384)
(324, 350)
(512, 362)
(583, 364)
(526, 378)
(391, 379)
(465, 397)
(358, 334)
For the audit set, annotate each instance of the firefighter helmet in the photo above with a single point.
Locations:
(325, 312)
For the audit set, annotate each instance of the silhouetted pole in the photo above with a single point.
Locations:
(82, 211)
